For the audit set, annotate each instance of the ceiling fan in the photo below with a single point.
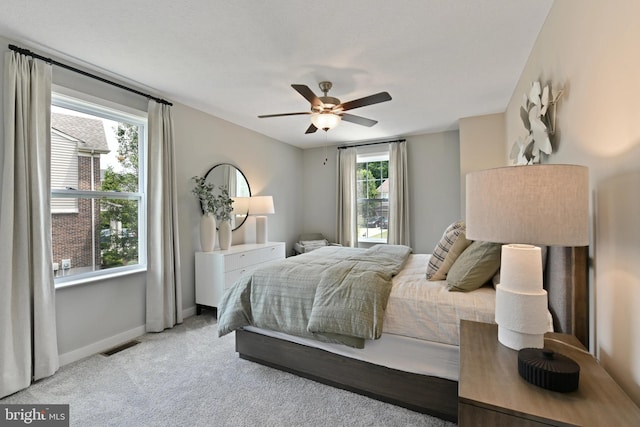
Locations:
(327, 111)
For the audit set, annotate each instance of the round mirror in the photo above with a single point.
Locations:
(229, 177)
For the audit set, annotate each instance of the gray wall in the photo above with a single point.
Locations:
(271, 168)
(101, 313)
(95, 316)
(587, 46)
(434, 179)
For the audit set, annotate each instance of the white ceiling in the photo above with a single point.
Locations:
(440, 60)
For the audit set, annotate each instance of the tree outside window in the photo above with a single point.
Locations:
(373, 197)
(119, 219)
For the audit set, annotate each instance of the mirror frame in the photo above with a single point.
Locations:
(217, 185)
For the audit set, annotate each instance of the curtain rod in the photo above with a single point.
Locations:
(342, 147)
(84, 73)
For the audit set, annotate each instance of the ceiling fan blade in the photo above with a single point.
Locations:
(358, 120)
(367, 100)
(311, 129)
(308, 94)
(283, 114)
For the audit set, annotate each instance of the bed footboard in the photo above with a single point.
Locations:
(421, 393)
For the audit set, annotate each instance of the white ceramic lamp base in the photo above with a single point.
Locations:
(521, 302)
(261, 229)
(518, 340)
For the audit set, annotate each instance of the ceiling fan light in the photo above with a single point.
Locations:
(325, 120)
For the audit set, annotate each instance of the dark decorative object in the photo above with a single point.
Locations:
(549, 370)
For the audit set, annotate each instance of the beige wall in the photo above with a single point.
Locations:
(481, 147)
(591, 48)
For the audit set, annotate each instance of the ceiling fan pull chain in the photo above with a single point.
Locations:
(326, 157)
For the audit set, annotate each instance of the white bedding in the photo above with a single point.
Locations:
(421, 324)
(426, 310)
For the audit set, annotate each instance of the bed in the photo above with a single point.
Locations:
(414, 362)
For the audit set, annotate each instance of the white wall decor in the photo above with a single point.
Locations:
(538, 116)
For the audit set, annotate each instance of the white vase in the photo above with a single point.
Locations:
(207, 232)
(224, 234)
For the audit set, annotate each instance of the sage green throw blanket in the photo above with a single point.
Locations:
(333, 294)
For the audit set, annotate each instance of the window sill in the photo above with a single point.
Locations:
(366, 240)
(61, 283)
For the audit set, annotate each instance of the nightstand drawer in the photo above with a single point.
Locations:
(230, 277)
(237, 261)
(253, 257)
(272, 253)
(217, 271)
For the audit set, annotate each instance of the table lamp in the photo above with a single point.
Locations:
(240, 211)
(240, 205)
(261, 206)
(523, 206)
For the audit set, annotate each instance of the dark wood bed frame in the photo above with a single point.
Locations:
(566, 275)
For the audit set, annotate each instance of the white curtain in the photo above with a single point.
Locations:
(398, 195)
(164, 287)
(232, 181)
(28, 343)
(347, 197)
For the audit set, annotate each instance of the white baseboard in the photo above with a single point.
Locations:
(111, 342)
(102, 345)
(191, 311)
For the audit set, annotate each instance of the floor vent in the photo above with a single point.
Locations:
(119, 348)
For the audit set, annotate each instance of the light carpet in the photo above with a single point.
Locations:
(187, 376)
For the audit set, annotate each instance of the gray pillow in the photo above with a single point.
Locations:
(474, 267)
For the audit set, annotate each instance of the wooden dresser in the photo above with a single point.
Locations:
(218, 270)
(492, 393)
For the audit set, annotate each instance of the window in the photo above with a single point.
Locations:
(372, 176)
(97, 189)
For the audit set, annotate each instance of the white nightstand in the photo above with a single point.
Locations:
(216, 271)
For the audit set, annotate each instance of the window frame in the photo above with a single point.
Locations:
(370, 156)
(101, 108)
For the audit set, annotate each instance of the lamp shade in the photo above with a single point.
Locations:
(240, 205)
(261, 205)
(535, 204)
(325, 120)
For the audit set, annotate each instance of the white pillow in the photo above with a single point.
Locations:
(310, 245)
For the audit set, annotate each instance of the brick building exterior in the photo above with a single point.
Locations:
(75, 227)
(71, 232)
